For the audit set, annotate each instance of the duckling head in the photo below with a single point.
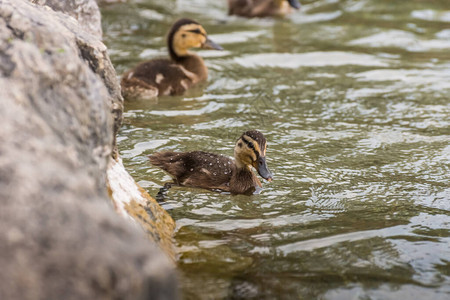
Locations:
(250, 150)
(186, 34)
(293, 3)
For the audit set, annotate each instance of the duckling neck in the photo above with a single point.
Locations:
(239, 165)
(242, 170)
(191, 62)
(195, 64)
(243, 181)
(176, 54)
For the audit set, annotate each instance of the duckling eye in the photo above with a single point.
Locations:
(183, 35)
(240, 145)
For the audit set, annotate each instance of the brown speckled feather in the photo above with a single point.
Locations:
(206, 170)
(163, 74)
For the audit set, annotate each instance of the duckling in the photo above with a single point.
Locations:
(171, 76)
(261, 8)
(217, 172)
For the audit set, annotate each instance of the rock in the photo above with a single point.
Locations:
(87, 14)
(101, 2)
(60, 237)
(130, 200)
(85, 11)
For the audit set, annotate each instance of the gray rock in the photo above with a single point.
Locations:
(85, 11)
(59, 235)
(102, 2)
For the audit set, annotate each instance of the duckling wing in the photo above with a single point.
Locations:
(162, 74)
(197, 168)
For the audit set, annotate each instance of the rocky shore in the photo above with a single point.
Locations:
(62, 183)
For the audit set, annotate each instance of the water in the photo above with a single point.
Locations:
(354, 100)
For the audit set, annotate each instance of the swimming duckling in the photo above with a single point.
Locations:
(261, 8)
(171, 76)
(218, 172)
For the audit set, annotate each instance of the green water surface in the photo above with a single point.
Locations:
(354, 100)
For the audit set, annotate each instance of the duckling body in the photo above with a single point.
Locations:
(171, 76)
(205, 170)
(218, 172)
(163, 77)
(261, 8)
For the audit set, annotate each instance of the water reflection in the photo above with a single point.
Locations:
(352, 97)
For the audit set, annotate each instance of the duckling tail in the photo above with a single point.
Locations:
(162, 159)
(171, 162)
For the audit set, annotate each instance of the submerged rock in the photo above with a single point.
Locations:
(60, 108)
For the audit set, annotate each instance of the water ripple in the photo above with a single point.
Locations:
(310, 59)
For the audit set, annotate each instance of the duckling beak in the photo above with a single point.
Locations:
(262, 169)
(208, 44)
(295, 4)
